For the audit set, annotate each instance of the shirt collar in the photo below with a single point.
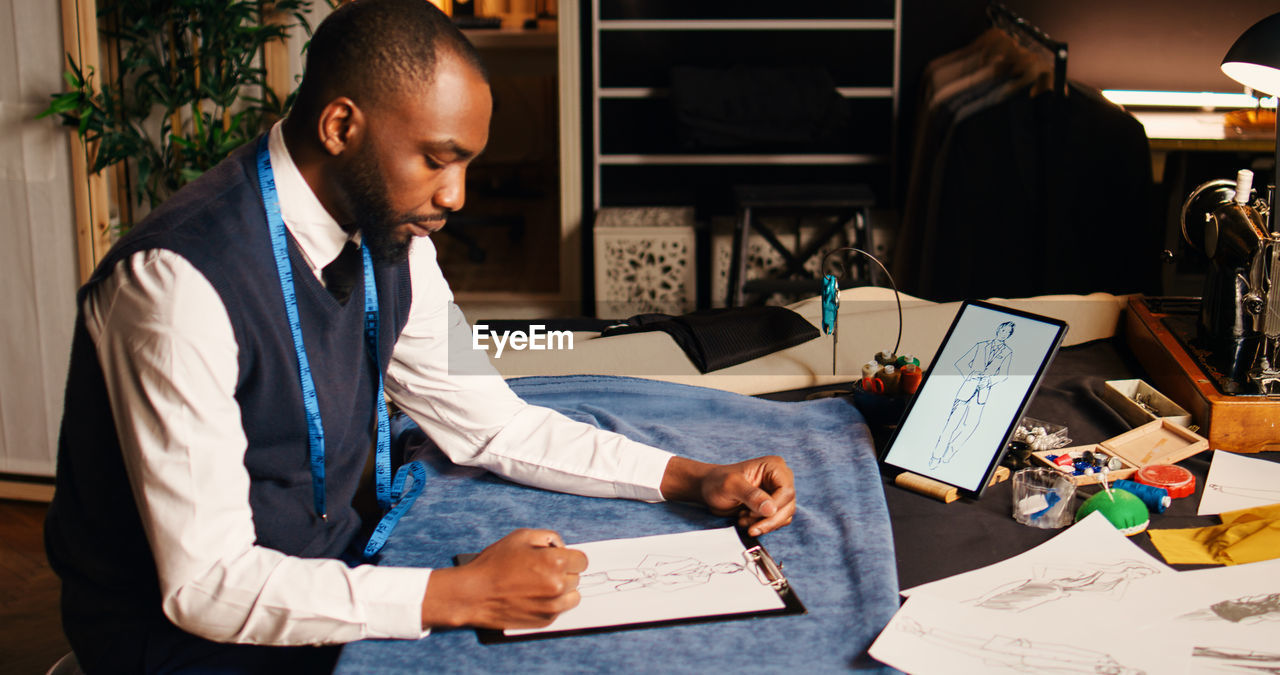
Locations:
(316, 232)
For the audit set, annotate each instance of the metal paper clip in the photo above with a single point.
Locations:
(766, 570)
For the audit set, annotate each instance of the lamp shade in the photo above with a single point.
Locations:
(1254, 60)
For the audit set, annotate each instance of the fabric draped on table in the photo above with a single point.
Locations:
(838, 552)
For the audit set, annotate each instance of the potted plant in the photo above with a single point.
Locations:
(188, 87)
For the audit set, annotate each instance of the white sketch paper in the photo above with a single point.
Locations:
(1087, 564)
(1026, 614)
(1238, 482)
(931, 635)
(661, 577)
(1223, 619)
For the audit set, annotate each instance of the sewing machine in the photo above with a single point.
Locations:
(1217, 355)
(1239, 322)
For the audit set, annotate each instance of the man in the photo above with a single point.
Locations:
(204, 490)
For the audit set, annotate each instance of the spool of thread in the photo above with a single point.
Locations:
(1177, 480)
(872, 385)
(889, 375)
(1244, 185)
(886, 358)
(1156, 499)
(907, 359)
(911, 377)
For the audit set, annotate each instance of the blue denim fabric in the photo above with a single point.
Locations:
(838, 553)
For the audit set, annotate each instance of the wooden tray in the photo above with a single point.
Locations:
(1120, 395)
(1156, 442)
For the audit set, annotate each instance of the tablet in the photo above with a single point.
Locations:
(975, 391)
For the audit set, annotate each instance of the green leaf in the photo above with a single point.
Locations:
(62, 103)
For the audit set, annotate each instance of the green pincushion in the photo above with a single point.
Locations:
(1123, 508)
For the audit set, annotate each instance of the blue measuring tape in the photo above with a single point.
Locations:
(388, 522)
(387, 493)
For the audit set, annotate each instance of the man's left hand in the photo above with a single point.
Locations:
(761, 491)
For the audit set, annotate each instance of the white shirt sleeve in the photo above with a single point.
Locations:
(454, 393)
(169, 358)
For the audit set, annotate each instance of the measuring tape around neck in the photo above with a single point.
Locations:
(387, 494)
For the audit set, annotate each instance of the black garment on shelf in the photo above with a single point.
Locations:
(719, 338)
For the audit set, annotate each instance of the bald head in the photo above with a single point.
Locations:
(372, 50)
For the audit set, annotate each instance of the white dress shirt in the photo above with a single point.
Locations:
(165, 343)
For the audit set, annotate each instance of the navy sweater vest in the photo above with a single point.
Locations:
(93, 534)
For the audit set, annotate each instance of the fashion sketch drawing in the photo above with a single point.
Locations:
(1235, 660)
(1049, 585)
(1261, 494)
(984, 366)
(1021, 654)
(657, 572)
(1247, 609)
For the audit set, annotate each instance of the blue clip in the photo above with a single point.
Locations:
(830, 303)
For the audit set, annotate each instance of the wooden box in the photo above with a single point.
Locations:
(1235, 423)
(1156, 442)
(1121, 395)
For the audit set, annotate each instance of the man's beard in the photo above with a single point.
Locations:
(367, 194)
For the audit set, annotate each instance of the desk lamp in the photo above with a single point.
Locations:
(1254, 61)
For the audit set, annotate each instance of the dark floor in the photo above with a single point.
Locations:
(30, 628)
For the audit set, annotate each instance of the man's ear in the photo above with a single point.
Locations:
(340, 126)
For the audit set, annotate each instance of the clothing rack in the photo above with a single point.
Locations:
(1007, 20)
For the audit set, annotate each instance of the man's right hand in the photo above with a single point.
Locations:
(523, 580)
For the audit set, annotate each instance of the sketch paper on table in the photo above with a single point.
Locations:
(1227, 612)
(1237, 482)
(1074, 573)
(662, 577)
(932, 635)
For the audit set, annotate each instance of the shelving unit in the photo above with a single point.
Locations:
(636, 157)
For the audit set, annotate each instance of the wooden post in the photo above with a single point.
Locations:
(93, 220)
(573, 219)
(119, 183)
(275, 55)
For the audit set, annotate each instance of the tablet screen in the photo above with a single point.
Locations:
(973, 395)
